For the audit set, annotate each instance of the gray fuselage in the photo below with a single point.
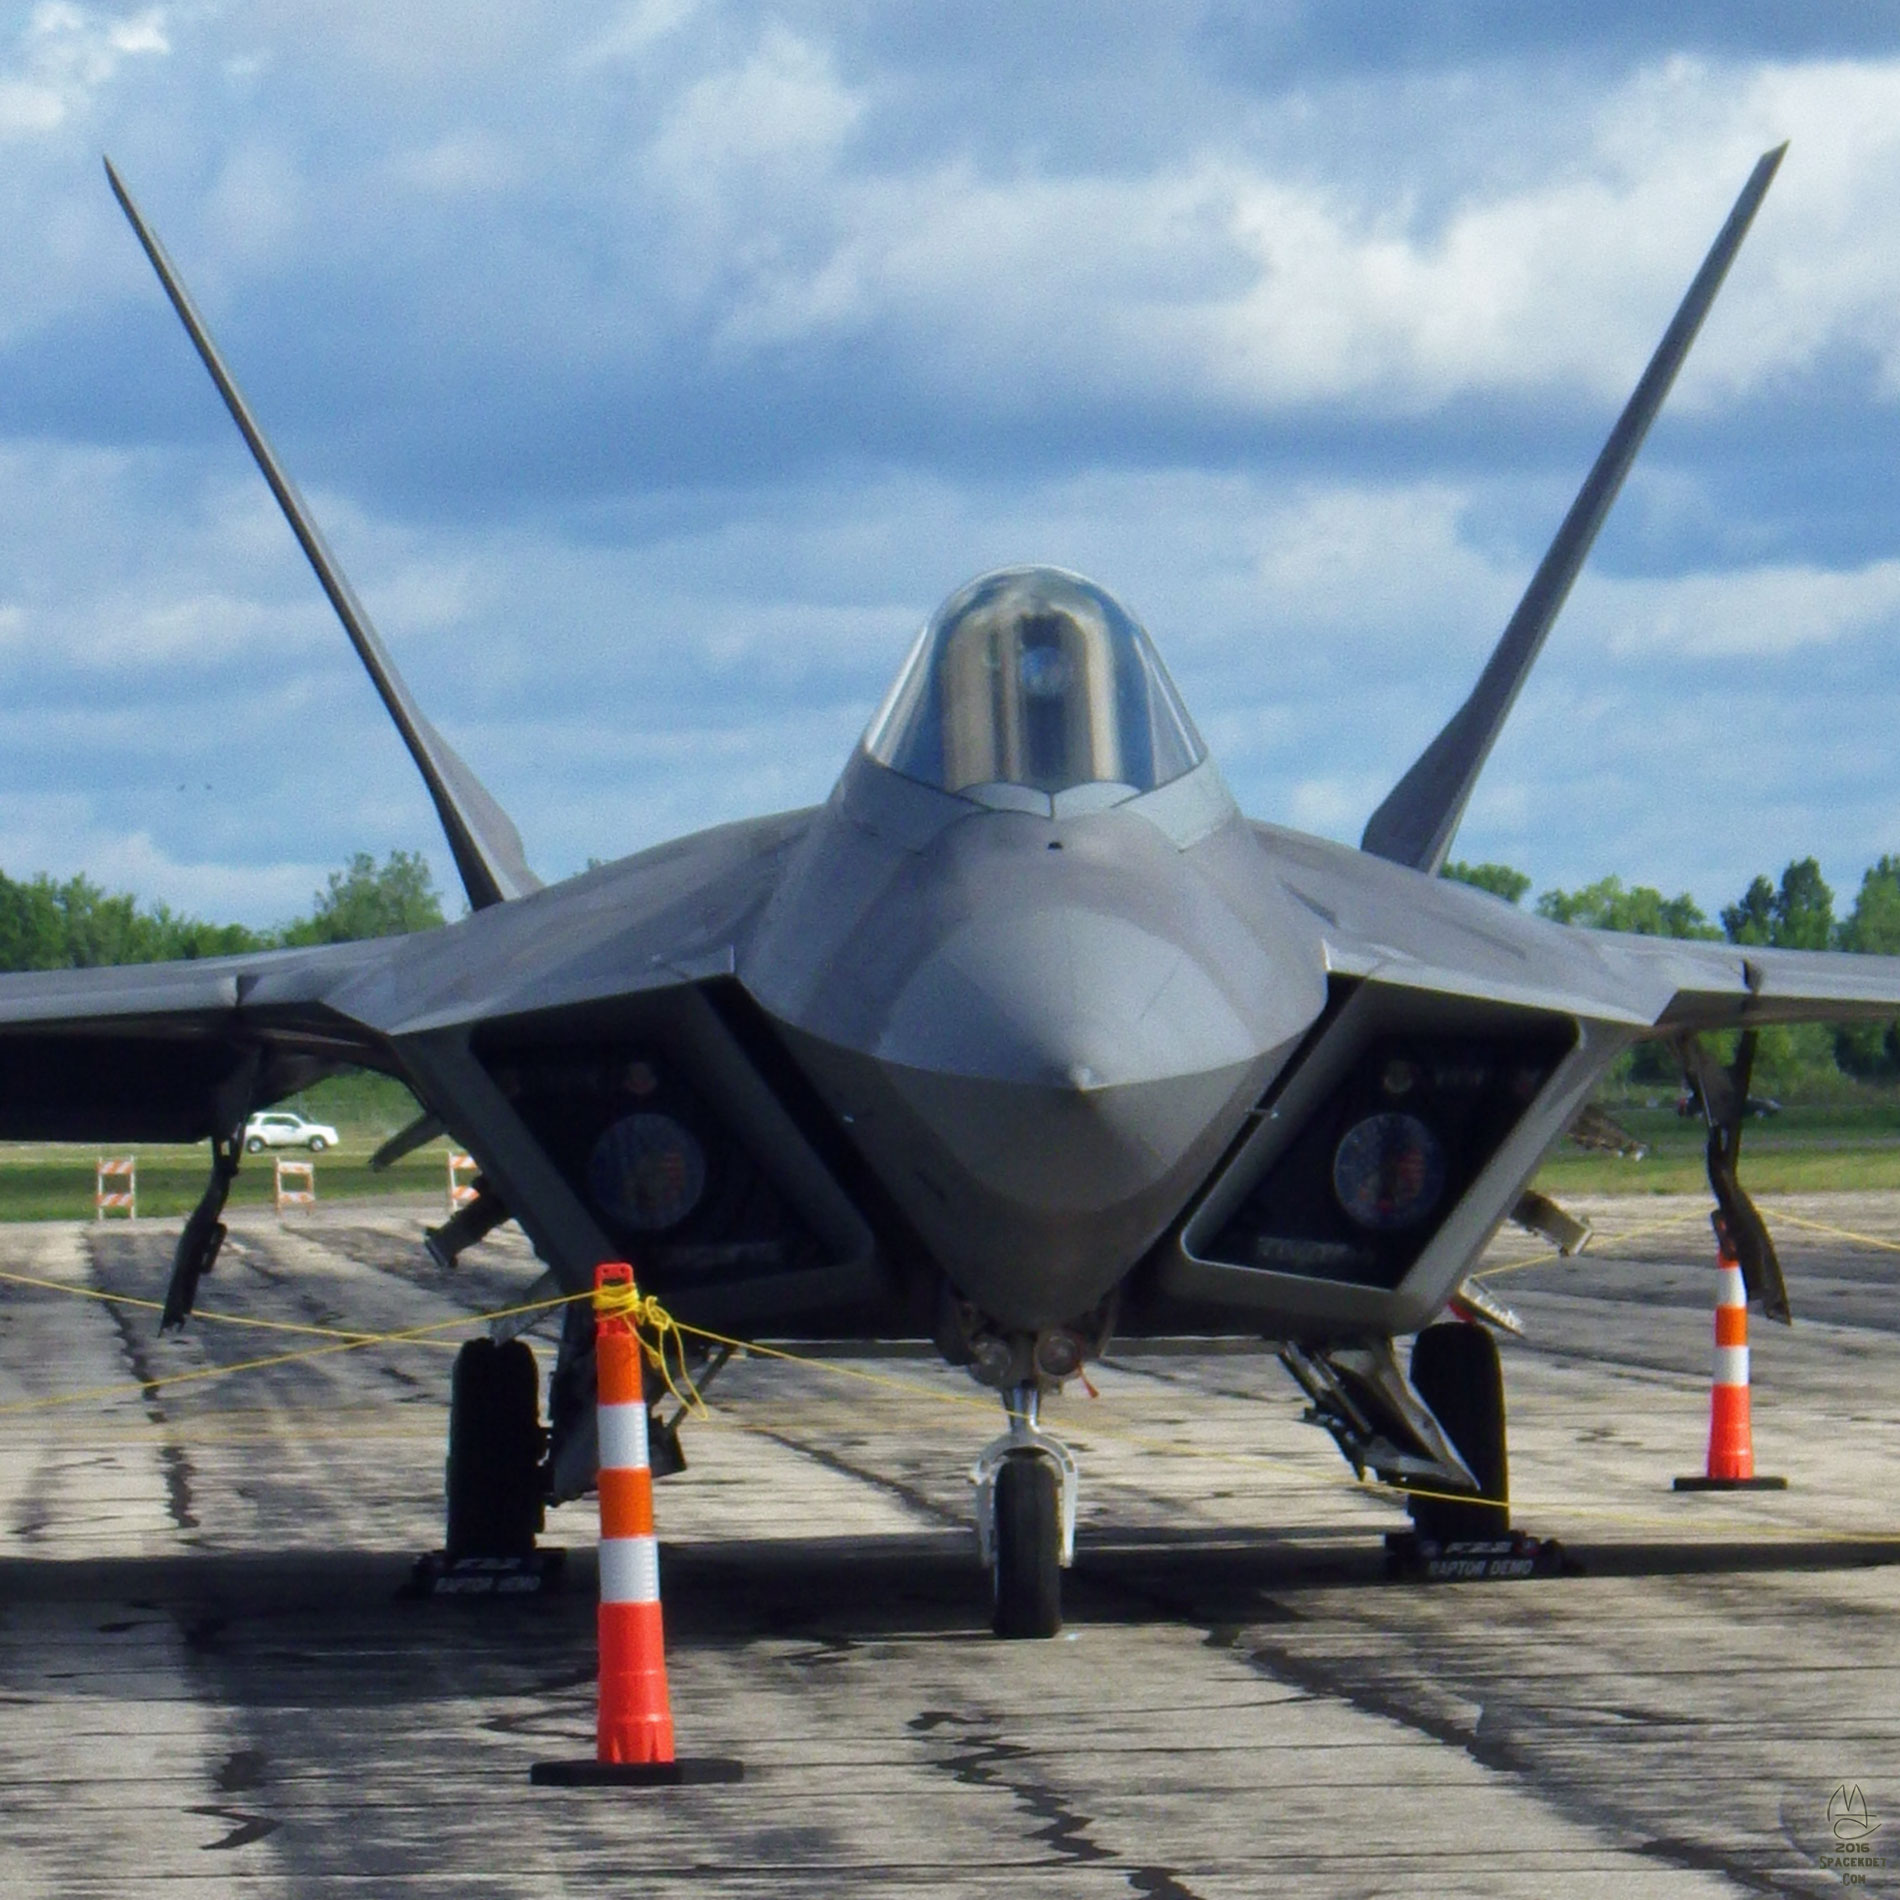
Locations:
(1040, 1030)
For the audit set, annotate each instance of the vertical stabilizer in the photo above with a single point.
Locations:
(1420, 815)
(486, 846)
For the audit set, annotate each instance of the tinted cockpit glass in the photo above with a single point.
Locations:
(1033, 677)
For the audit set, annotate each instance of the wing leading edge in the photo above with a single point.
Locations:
(144, 1051)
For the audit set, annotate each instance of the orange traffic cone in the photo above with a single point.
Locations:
(634, 1730)
(1731, 1439)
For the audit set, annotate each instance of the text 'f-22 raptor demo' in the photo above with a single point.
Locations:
(1026, 1040)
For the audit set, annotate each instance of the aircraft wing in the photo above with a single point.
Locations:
(150, 1052)
(164, 1052)
(1738, 986)
(1390, 925)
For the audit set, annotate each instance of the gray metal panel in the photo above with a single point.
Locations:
(1189, 808)
(1399, 926)
(1040, 1032)
(627, 928)
(1730, 986)
(1383, 921)
(978, 948)
(662, 919)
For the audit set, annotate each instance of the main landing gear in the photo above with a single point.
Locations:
(1438, 1435)
(1455, 1371)
(1025, 1519)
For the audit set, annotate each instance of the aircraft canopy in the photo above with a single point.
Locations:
(1034, 677)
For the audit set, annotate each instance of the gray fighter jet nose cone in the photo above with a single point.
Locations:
(1066, 996)
(1046, 1089)
(1042, 1034)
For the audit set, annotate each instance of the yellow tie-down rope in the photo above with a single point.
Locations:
(1595, 1242)
(339, 1340)
(657, 1326)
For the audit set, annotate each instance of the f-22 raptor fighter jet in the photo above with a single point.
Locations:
(1026, 1040)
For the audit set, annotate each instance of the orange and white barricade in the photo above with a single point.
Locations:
(1731, 1460)
(116, 1188)
(460, 1192)
(634, 1726)
(305, 1196)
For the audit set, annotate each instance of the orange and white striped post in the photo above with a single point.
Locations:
(634, 1726)
(636, 1719)
(1731, 1461)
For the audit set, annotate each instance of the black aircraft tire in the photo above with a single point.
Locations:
(1026, 1556)
(495, 1504)
(1455, 1371)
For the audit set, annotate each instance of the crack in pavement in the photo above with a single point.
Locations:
(978, 1759)
(173, 1461)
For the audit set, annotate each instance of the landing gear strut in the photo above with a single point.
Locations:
(1025, 1519)
(496, 1440)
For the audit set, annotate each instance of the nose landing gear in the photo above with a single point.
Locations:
(1026, 1483)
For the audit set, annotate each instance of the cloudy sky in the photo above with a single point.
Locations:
(654, 368)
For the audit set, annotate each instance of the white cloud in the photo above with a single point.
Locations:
(1333, 805)
(784, 105)
(634, 30)
(65, 55)
(905, 333)
(1750, 610)
(1214, 276)
(65, 837)
(471, 161)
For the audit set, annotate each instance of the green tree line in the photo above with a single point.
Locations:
(47, 924)
(1796, 913)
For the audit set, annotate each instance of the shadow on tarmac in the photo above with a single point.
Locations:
(350, 1605)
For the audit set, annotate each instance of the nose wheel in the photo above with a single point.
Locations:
(1025, 1520)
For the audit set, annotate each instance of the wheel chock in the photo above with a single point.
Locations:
(538, 1574)
(1410, 1558)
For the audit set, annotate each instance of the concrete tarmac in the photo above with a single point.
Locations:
(210, 1683)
